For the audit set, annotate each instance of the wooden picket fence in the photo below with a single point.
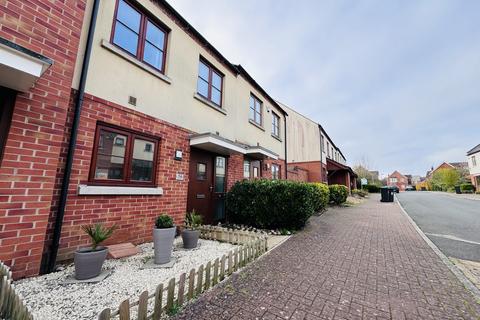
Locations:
(188, 286)
(11, 305)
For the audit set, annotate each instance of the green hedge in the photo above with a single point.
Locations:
(371, 188)
(360, 192)
(338, 193)
(321, 196)
(467, 187)
(274, 204)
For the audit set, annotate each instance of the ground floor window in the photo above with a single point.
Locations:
(275, 171)
(246, 169)
(123, 157)
(220, 171)
(252, 169)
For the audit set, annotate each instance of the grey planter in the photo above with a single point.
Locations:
(190, 238)
(88, 264)
(163, 244)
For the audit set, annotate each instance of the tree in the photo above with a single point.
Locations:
(444, 179)
(363, 172)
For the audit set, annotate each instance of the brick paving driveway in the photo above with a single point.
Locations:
(364, 262)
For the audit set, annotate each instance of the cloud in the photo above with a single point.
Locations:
(396, 81)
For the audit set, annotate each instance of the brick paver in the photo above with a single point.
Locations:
(364, 262)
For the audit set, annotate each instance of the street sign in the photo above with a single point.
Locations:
(364, 181)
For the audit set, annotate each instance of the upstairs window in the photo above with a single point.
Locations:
(474, 161)
(275, 125)
(210, 83)
(137, 34)
(122, 157)
(255, 110)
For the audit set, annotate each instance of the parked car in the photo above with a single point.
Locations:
(395, 189)
(409, 188)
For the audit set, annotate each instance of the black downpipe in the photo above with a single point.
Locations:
(52, 257)
(286, 157)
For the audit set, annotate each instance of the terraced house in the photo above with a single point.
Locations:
(312, 155)
(116, 111)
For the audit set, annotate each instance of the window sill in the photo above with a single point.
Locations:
(119, 52)
(208, 103)
(256, 125)
(112, 190)
(276, 137)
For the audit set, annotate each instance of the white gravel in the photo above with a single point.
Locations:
(50, 299)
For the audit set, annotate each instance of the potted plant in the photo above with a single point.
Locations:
(89, 261)
(163, 236)
(191, 233)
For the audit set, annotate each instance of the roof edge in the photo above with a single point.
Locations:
(474, 150)
(236, 69)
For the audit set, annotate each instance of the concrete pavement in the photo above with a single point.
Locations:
(362, 262)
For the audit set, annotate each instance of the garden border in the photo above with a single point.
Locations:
(197, 281)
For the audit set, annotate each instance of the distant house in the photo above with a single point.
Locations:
(397, 179)
(416, 179)
(462, 168)
(409, 179)
(473, 156)
(374, 175)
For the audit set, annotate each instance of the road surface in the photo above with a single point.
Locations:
(452, 223)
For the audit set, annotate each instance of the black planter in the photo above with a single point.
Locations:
(88, 263)
(190, 238)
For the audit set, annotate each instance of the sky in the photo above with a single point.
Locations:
(396, 84)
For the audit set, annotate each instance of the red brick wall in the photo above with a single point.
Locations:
(314, 169)
(134, 215)
(296, 173)
(27, 172)
(267, 171)
(234, 169)
(324, 173)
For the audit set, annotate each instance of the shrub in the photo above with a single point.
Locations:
(338, 193)
(163, 221)
(98, 233)
(467, 187)
(371, 188)
(273, 204)
(193, 220)
(360, 192)
(321, 196)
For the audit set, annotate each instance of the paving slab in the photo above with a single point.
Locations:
(150, 264)
(361, 262)
(122, 250)
(104, 274)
